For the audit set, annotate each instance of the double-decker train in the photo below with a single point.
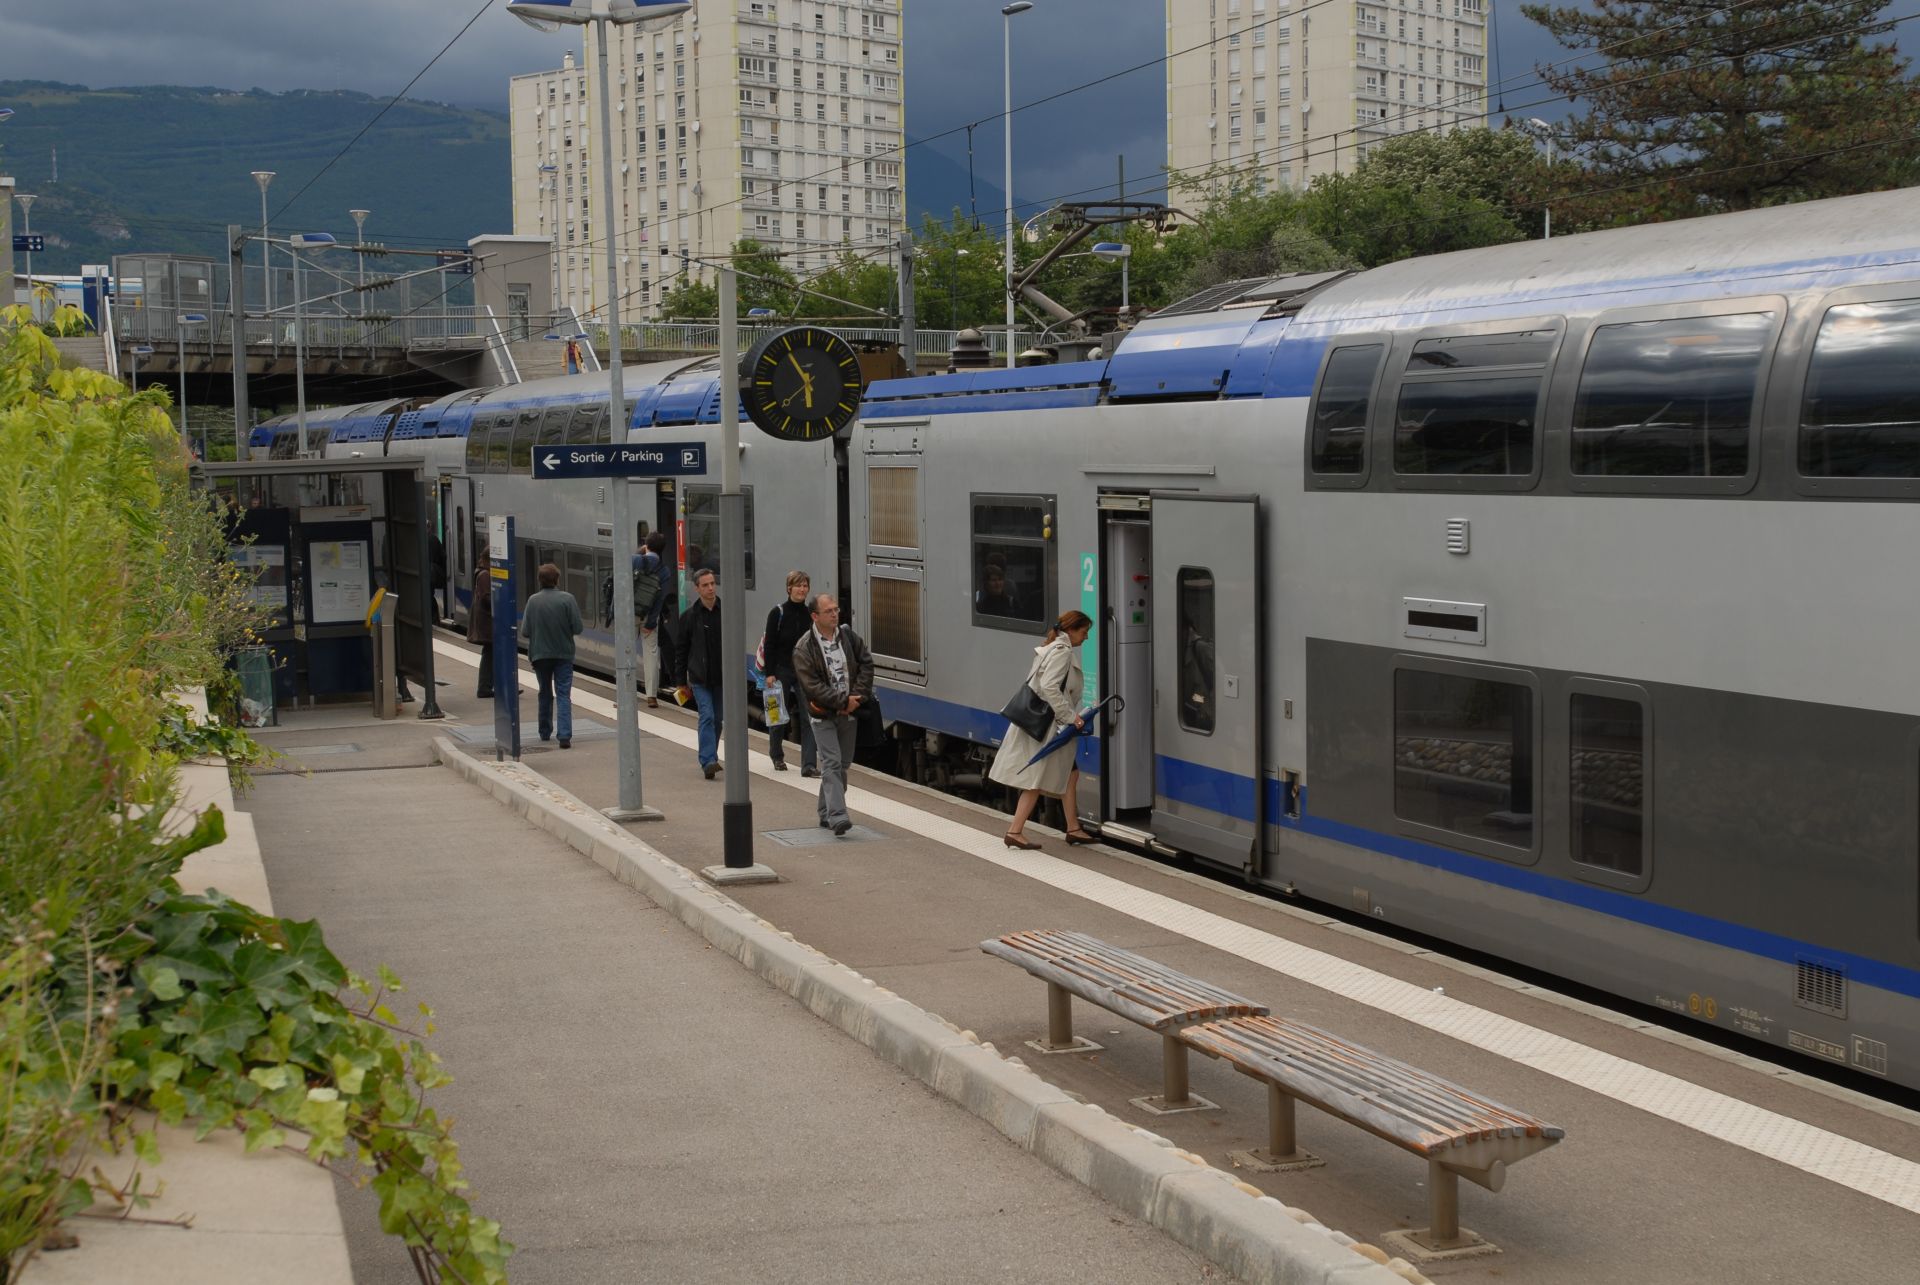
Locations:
(1556, 599)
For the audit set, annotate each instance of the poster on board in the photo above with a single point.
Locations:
(342, 587)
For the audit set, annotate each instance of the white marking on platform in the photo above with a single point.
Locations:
(1813, 1150)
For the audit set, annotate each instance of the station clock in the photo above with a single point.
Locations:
(801, 384)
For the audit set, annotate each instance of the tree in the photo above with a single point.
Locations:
(1695, 112)
(858, 286)
(1500, 168)
(763, 282)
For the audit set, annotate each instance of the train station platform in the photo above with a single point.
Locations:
(1681, 1162)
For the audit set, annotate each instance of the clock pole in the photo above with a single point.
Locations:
(736, 817)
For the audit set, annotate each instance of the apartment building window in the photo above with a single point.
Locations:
(843, 82)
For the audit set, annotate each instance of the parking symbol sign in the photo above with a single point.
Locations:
(690, 458)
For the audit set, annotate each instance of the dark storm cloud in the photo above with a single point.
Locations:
(1063, 149)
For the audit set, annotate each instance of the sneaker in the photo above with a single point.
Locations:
(566, 742)
(652, 703)
(840, 827)
(779, 765)
(824, 825)
(712, 770)
(810, 771)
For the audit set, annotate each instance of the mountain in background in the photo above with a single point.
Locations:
(165, 169)
(937, 185)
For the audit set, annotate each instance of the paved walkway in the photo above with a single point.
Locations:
(631, 1104)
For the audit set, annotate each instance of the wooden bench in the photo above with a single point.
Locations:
(1129, 985)
(1459, 1133)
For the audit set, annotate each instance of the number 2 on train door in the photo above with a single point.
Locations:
(1090, 650)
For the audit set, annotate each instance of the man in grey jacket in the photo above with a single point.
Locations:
(835, 673)
(549, 626)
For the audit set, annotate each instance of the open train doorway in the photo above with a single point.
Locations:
(1126, 660)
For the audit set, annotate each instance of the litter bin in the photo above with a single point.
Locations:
(254, 668)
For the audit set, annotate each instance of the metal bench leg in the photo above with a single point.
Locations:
(1281, 1141)
(1059, 1017)
(1173, 1062)
(1445, 1186)
(1283, 1152)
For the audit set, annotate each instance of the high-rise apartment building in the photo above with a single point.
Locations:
(775, 120)
(1287, 91)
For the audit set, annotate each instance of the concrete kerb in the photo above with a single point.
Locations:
(1231, 1223)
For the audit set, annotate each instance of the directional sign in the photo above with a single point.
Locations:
(647, 459)
(35, 244)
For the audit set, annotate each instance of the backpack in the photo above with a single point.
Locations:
(646, 591)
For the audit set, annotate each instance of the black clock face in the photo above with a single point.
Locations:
(801, 385)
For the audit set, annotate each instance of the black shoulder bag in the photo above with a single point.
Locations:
(1028, 711)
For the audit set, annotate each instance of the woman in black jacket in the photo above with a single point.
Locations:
(787, 623)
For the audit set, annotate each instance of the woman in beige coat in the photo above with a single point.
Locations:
(1057, 679)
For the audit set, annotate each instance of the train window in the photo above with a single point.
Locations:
(587, 426)
(1861, 413)
(1469, 352)
(1467, 427)
(1013, 561)
(521, 459)
(1670, 398)
(703, 530)
(1607, 771)
(581, 583)
(1194, 621)
(553, 426)
(1463, 752)
(1340, 409)
(499, 444)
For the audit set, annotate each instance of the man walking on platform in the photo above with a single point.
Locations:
(701, 658)
(549, 626)
(787, 624)
(835, 672)
(649, 598)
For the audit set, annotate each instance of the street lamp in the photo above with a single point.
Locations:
(180, 324)
(133, 374)
(26, 205)
(295, 244)
(1545, 131)
(1006, 79)
(360, 240)
(548, 15)
(264, 177)
(953, 287)
(1116, 250)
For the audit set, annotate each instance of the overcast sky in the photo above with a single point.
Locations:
(953, 50)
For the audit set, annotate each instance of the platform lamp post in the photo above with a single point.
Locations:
(1116, 250)
(549, 15)
(264, 177)
(295, 244)
(1006, 78)
(180, 324)
(133, 372)
(1544, 131)
(359, 253)
(26, 208)
(953, 288)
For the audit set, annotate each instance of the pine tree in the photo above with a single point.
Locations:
(1701, 106)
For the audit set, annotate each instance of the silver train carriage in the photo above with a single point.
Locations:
(1550, 598)
(1555, 599)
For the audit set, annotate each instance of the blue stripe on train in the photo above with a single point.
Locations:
(1231, 794)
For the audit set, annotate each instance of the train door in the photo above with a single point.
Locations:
(466, 542)
(1206, 671)
(1126, 627)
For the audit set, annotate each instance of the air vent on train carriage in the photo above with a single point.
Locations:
(1461, 622)
(1821, 987)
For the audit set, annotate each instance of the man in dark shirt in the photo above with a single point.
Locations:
(549, 626)
(787, 624)
(701, 658)
(836, 678)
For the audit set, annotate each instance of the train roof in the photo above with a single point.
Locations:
(1231, 340)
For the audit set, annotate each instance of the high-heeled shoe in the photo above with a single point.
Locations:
(1080, 838)
(1023, 844)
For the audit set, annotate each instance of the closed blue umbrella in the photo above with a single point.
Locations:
(1110, 706)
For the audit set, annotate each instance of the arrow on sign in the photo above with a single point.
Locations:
(550, 461)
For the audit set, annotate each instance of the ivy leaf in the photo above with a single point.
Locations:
(268, 974)
(164, 983)
(215, 1027)
(308, 952)
(272, 1077)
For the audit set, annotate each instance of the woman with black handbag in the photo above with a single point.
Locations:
(1044, 702)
